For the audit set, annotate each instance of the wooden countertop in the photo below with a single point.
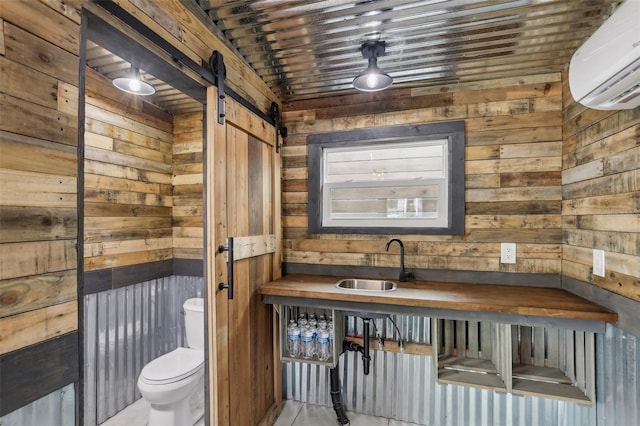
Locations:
(504, 299)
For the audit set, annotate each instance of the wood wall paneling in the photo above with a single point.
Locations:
(18, 153)
(22, 81)
(2, 49)
(601, 195)
(513, 175)
(187, 180)
(26, 48)
(61, 29)
(29, 119)
(143, 183)
(32, 327)
(129, 165)
(37, 291)
(38, 200)
(124, 204)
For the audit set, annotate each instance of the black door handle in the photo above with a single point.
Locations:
(229, 285)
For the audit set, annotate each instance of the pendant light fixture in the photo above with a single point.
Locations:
(373, 78)
(134, 84)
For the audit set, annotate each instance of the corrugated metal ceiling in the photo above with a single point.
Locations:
(166, 97)
(308, 49)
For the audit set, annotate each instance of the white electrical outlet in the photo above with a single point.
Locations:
(508, 253)
(598, 262)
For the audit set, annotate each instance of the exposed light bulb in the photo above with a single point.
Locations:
(134, 85)
(372, 81)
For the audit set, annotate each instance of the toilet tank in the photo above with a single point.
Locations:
(194, 322)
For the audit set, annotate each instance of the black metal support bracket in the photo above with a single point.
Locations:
(275, 115)
(216, 63)
(366, 351)
(176, 54)
(229, 285)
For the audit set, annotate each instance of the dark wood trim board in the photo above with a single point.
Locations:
(112, 278)
(476, 277)
(30, 373)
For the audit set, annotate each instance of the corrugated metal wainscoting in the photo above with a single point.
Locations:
(404, 387)
(124, 329)
(618, 378)
(57, 408)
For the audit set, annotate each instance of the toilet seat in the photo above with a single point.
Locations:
(173, 366)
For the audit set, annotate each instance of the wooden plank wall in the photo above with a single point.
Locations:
(127, 173)
(39, 54)
(38, 169)
(188, 199)
(601, 195)
(513, 174)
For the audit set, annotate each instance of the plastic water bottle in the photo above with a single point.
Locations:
(293, 334)
(308, 343)
(313, 324)
(323, 345)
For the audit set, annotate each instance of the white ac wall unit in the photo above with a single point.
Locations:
(604, 73)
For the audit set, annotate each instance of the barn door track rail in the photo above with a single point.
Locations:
(178, 56)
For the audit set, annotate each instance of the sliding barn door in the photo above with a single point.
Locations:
(243, 253)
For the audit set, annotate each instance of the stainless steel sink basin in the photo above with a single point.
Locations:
(366, 285)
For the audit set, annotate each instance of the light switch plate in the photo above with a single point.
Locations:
(598, 262)
(508, 253)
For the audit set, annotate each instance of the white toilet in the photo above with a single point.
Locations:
(168, 382)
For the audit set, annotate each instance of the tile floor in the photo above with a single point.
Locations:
(137, 414)
(294, 413)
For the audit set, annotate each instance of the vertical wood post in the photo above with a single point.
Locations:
(215, 228)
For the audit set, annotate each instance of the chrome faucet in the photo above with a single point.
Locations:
(403, 274)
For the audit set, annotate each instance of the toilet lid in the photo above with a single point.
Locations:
(173, 366)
